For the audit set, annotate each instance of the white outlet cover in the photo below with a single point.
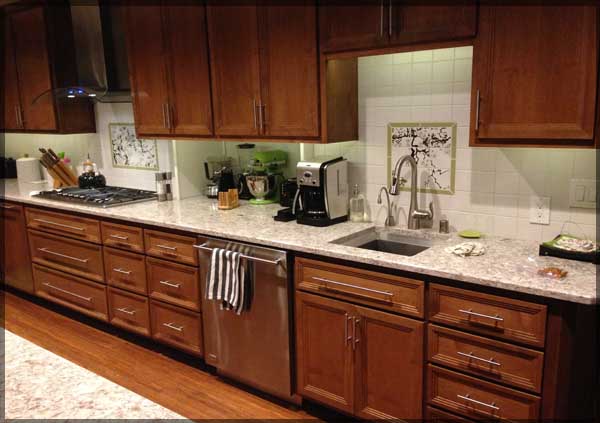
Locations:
(539, 210)
(583, 194)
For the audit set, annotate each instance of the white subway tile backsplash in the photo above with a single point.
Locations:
(443, 71)
(443, 54)
(505, 226)
(463, 52)
(422, 56)
(506, 205)
(401, 58)
(461, 115)
(402, 74)
(506, 182)
(462, 69)
(421, 72)
(529, 231)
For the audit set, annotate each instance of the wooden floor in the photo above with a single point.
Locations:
(175, 381)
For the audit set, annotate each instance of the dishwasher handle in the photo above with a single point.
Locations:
(251, 258)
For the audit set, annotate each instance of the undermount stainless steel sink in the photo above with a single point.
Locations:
(387, 241)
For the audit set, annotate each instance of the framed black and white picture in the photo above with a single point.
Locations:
(433, 146)
(128, 151)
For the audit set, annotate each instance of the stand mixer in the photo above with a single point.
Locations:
(266, 176)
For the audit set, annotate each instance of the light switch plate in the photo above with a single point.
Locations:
(539, 210)
(582, 193)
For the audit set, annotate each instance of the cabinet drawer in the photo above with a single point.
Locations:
(70, 291)
(70, 256)
(394, 293)
(129, 311)
(64, 224)
(488, 314)
(170, 246)
(177, 327)
(122, 236)
(499, 361)
(174, 283)
(477, 399)
(125, 270)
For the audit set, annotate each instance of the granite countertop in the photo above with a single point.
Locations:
(508, 263)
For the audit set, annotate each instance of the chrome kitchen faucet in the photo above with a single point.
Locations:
(415, 216)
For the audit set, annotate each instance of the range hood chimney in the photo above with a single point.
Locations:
(100, 52)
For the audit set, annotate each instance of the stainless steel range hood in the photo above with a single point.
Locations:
(100, 51)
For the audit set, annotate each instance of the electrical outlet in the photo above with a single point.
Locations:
(583, 193)
(539, 210)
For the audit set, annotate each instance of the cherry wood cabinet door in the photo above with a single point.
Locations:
(535, 73)
(147, 69)
(289, 69)
(324, 352)
(415, 23)
(346, 25)
(16, 266)
(188, 68)
(389, 365)
(235, 69)
(33, 66)
(12, 104)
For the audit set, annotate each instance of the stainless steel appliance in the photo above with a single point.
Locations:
(213, 166)
(322, 197)
(253, 347)
(99, 197)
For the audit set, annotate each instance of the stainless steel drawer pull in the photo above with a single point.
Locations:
(125, 272)
(477, 110)
(120, 237)
(375, 291)
(49, 222)
(45, 250)
(6, 206)
(64, 291)
(166, 247)
(470, 312)
(467, 397)
(356, 338)
(124, 310)
(276, 262)
(168, 283)
(347, 338)
(474, 357)
(172, 326)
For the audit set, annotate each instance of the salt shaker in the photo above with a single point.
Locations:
(161, 186)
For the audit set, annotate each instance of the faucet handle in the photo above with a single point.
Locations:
(402, 181)
(430, 210)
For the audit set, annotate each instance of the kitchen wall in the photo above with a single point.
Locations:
(493, 186)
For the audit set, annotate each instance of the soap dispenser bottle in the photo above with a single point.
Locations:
(357, 206)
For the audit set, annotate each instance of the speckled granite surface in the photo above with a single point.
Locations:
(508, 264)
(41, 385)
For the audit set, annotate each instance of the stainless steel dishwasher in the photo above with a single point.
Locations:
(253, 347)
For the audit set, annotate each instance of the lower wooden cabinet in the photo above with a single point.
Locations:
(177, 327)
(15, 262)
(361, 361)
(129, 311)
(70, 291)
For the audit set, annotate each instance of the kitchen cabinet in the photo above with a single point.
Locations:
(38, 57)
(16, 264)
(385, 23)
(169, 69)
(277, 93)
(361, 361)
(535, 75)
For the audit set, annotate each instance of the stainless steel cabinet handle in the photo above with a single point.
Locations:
(347, 338)
(18, 116)
(64, 291)
(381, 21)
(375, 291)
(168, 283)
(474, 357)
(166, 247)
(60, 225)
(276, 262)
(6, 206)
(254, 113)
(478, 102)
(261, 121)
(125, 272)
(124, 310)
(470, 312)
(390, 29)
(45, 250)
(467, 397)
(164, 112)
(169, 116)
(120, 237)
(356, 338)
(172, 326)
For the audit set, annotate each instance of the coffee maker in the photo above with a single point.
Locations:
(322, 196)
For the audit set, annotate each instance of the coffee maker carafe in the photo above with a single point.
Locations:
(322, 196)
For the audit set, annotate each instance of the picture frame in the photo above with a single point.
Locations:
(129, 152)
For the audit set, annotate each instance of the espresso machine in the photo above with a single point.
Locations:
(322, 196)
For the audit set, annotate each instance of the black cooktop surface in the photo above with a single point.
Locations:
(99, 197)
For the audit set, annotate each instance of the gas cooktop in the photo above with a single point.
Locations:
(99, 197)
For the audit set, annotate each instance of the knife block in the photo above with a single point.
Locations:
(229, 200)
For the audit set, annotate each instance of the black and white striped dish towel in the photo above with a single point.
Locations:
(229, 280)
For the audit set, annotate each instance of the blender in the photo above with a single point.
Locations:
(266, 176)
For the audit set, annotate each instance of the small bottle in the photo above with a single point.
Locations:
(357, 206)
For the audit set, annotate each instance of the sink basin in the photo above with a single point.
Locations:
(386, 241)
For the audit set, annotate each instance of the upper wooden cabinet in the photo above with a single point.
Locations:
(264, 64)
(535, 75)
(373, 24)
(39, 57)
(169, 71)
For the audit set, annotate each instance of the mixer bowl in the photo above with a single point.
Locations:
(261, 187)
